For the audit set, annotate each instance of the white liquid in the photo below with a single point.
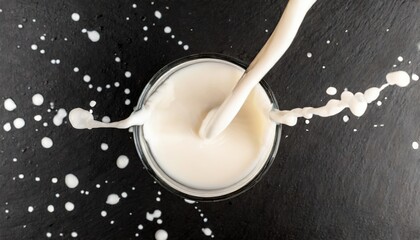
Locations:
(220, 117)
(69, 206)
(178, 108)
(122, 161)
(75, 17)
(37, 99)
(93, 35)
(171, 119)
(161, 234)
(113, 199)
(19, 123)
(71, 180)
(46, 142)
(155, 214)
(357, 103)
(59, 117)
(9, 104)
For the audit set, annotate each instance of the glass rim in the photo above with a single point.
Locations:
(138, 132)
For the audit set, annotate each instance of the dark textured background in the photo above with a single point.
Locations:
(328, 182)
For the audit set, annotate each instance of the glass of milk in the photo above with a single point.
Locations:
(178, 98)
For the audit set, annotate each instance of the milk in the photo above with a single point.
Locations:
(177, 110)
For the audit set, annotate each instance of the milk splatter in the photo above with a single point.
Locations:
(151, 216)
(71, 180)
(112, 199)
(7, 127)
(331, 91)
(104, 146)
(86, 78)
(206, 231)
(158, 14)
(93, 35)
(69, 206)
(37, 99)
(46, 142)
(122, 161)
(357, 103)
(58, 118)
(9, 104)
(75, 17)
(19, 123)
(167, 29)
(50, 208)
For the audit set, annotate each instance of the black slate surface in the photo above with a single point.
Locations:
(328, 181)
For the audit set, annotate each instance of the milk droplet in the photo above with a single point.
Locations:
(112, 199)
(50, 208)
(345, 118)
(37, 99)
(71, 180)
(86, 78)
(122, 161)
(117, 59)
(161, 235)
(400, 59)
(59, 117)
(76, 69)
(54, 180)
(92, 103)
(140, 227)
(34, 47)
(189, 201)
(415, 145)
(309, 54)
(21, 176)
(75, 17)
(156, 214)
(9, 104)
(48, 234)
(186, 47)
(19, 123)
(331, 91)
(167, 29)
(46, 142)
(127, 74)
(74, 234)
(414, 77)
(145, 28)
(124, 195)
(103, 213)
(379, 103)
(69, 206)
(106, 119)
(206, 231)
(7, 127)
(399, 78)
(158, 14)
(134, 5)
(30, 209)
(93, 35)
(104, 146)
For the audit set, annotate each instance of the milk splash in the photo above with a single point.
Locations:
(357, 103)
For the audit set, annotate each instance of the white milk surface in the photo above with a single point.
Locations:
(177, 109)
